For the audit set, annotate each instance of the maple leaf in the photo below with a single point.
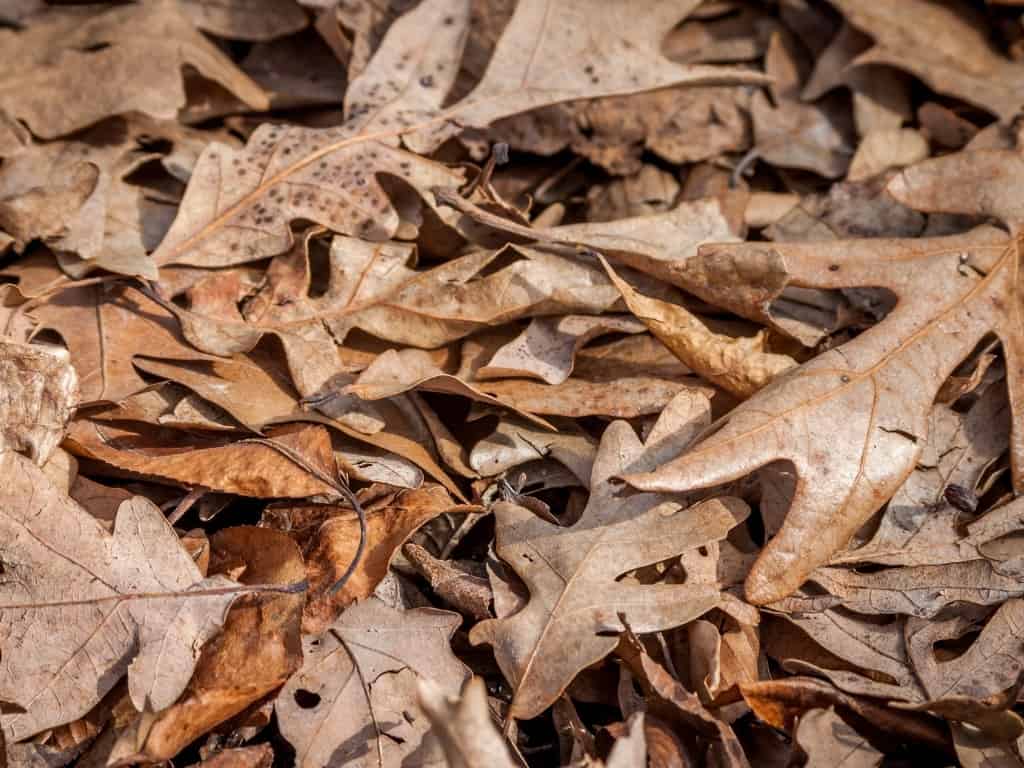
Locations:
(238, 205)
(353, 702)
(79, 608)
(575, 597)
(872, 394)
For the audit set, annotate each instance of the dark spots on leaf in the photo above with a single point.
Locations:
(833, 267)
(448, 20)
(234, 247)
(589, 69)
(845, 379)
(307, 699)
(286, 151)
(427, 81)
(405, 165)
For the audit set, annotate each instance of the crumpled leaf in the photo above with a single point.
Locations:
(107, 62)
(85, 607)
(738, 365)
(575, 599)
(38, 396)
(855, 395)
(238, 204)
(354, 701)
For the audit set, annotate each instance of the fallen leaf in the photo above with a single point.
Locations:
(848, 394)
(40, 394)
(566, 569)
(87, 609)
(951, 50)
(823, 735)
(110, 61)
(463, 725)
(246, 19)
(738, 365)
(389, 522)
(257, 650)
(353, 702)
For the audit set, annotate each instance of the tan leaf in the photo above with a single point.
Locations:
(951, 50)
(547, 348)
(396, 372)
(238, 204)
(514, 442)
(795, 135)
(87, 608)
(575, 597)
(260, 756)
(738, 365)
(464, 726)
(39, 396)
(856, 395)
(110, 62)
(354, 701)
(246, 19)
(830, 742)
(254, 654)
(884, 149)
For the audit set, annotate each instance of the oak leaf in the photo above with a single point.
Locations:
(238, 205)
(81, 607)
(114, 61)
(353, 702)
(575, 599)
(873, 394)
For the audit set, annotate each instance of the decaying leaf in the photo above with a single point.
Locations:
(464, 726)
(575, 599)
(354, 701)
(38, 396)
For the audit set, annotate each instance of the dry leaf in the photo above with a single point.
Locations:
(738, 365)
(39, 396)
(575, 599)
(463, 725)
(87, 608)
(254, 654)
(850, 394)
(828, 742)
(951, 50)
(353, 702)
(110, 61)
(246, 19)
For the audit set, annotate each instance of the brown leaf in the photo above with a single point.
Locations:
(40, 394)
(245, 468)
(100, 326)
(260, 756)
(255, 653)
(470, 595)
(389, 522)
(823, 735)
(781, 702)
(849, 395)
(353, 702)
(463, 725)
(575, 598)
(738, 365)
(238, 204)
(951, 50)
(246, 19)
(87, 608)
(108, 62)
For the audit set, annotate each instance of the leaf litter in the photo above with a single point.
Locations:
(511, 383)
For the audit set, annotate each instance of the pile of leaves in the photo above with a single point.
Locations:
(489, 383)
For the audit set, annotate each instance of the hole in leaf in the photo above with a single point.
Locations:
(307, 699)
